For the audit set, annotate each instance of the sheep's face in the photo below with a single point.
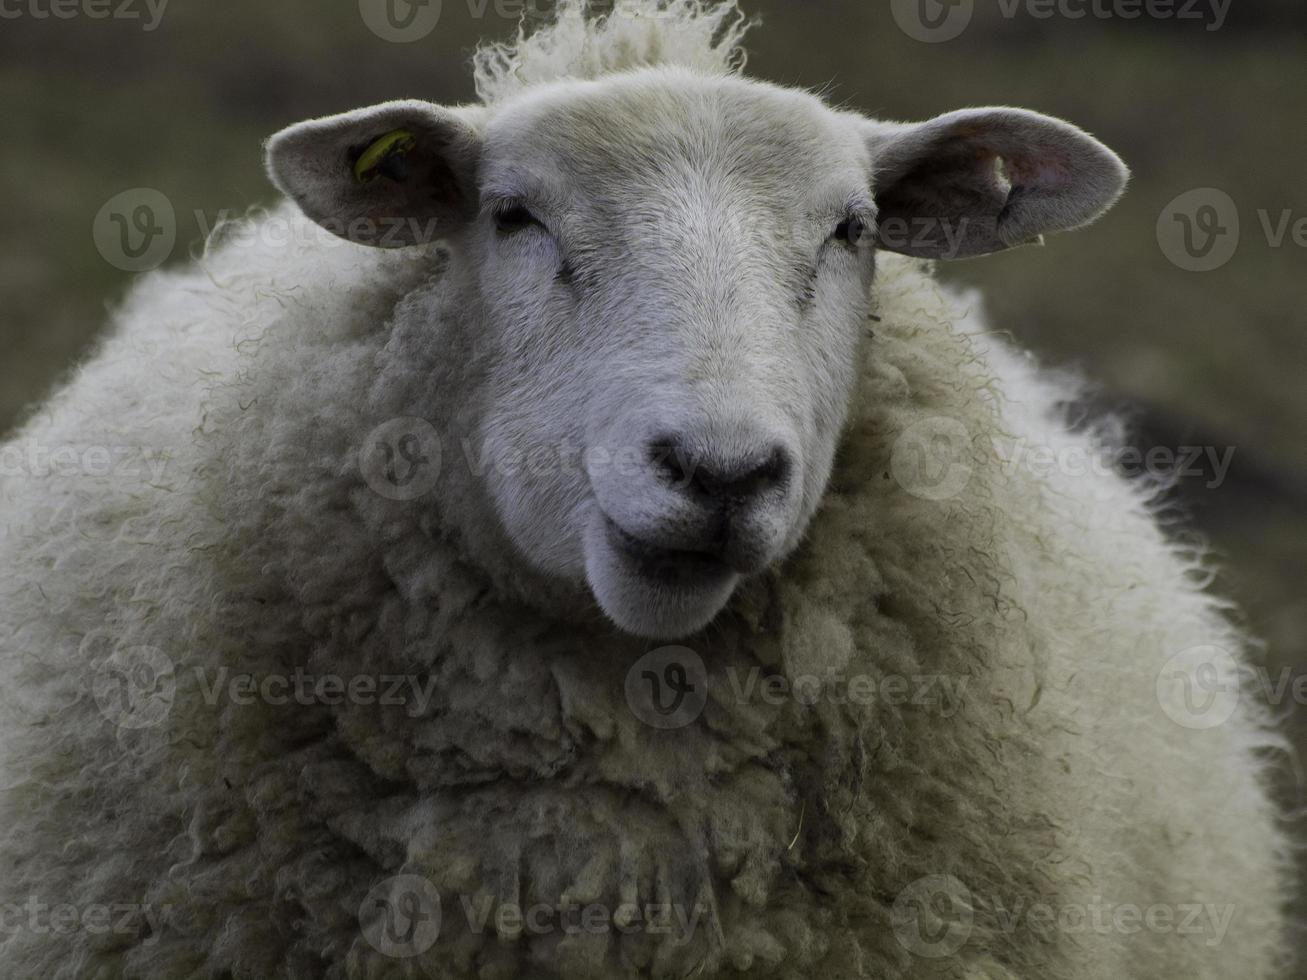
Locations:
(676, 273)
(670, 276)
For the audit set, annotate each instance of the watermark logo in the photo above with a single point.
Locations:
(933, 21)
(929, 459)
(933, 917)
(400, 459)
(668, 687)
(1199, 230)
(400, 21)
(134, 687)
(400, 916)
(136, 230)
(1198, 688)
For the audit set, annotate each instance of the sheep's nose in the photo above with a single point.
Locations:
(721, 478)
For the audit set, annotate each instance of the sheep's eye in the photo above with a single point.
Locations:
(850, 231)
(515, 218)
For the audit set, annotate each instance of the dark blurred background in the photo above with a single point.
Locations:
(1203, 342)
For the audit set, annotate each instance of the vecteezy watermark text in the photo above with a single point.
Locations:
(35, 459)
(936, 457)
(94, 919)
(669, 688)
(934, 916)
(149, 11)
(569, 917)
(305, 689)
(402, 917)
(937, 21)
(136, 687)
(939, 692)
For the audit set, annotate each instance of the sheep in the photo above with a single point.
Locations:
(581, 539)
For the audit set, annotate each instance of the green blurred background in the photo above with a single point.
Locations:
(92, 107)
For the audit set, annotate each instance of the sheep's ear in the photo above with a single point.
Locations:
(402, 173)
(983, 180)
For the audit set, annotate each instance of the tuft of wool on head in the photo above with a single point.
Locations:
(588, 39)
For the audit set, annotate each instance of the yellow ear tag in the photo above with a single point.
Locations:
(369, 165)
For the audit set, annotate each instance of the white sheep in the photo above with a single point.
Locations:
(359, 678)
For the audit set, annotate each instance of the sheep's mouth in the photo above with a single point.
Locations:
(650, 590)
(667, 566)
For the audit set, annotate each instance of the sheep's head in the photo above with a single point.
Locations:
(671, 273)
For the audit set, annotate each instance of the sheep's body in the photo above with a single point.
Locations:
(801, 839)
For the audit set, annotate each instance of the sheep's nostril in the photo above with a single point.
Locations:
(744, 481)
(670, 462)
(717, 480)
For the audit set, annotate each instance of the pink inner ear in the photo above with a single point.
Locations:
(1043, 168)
(1046, 169)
